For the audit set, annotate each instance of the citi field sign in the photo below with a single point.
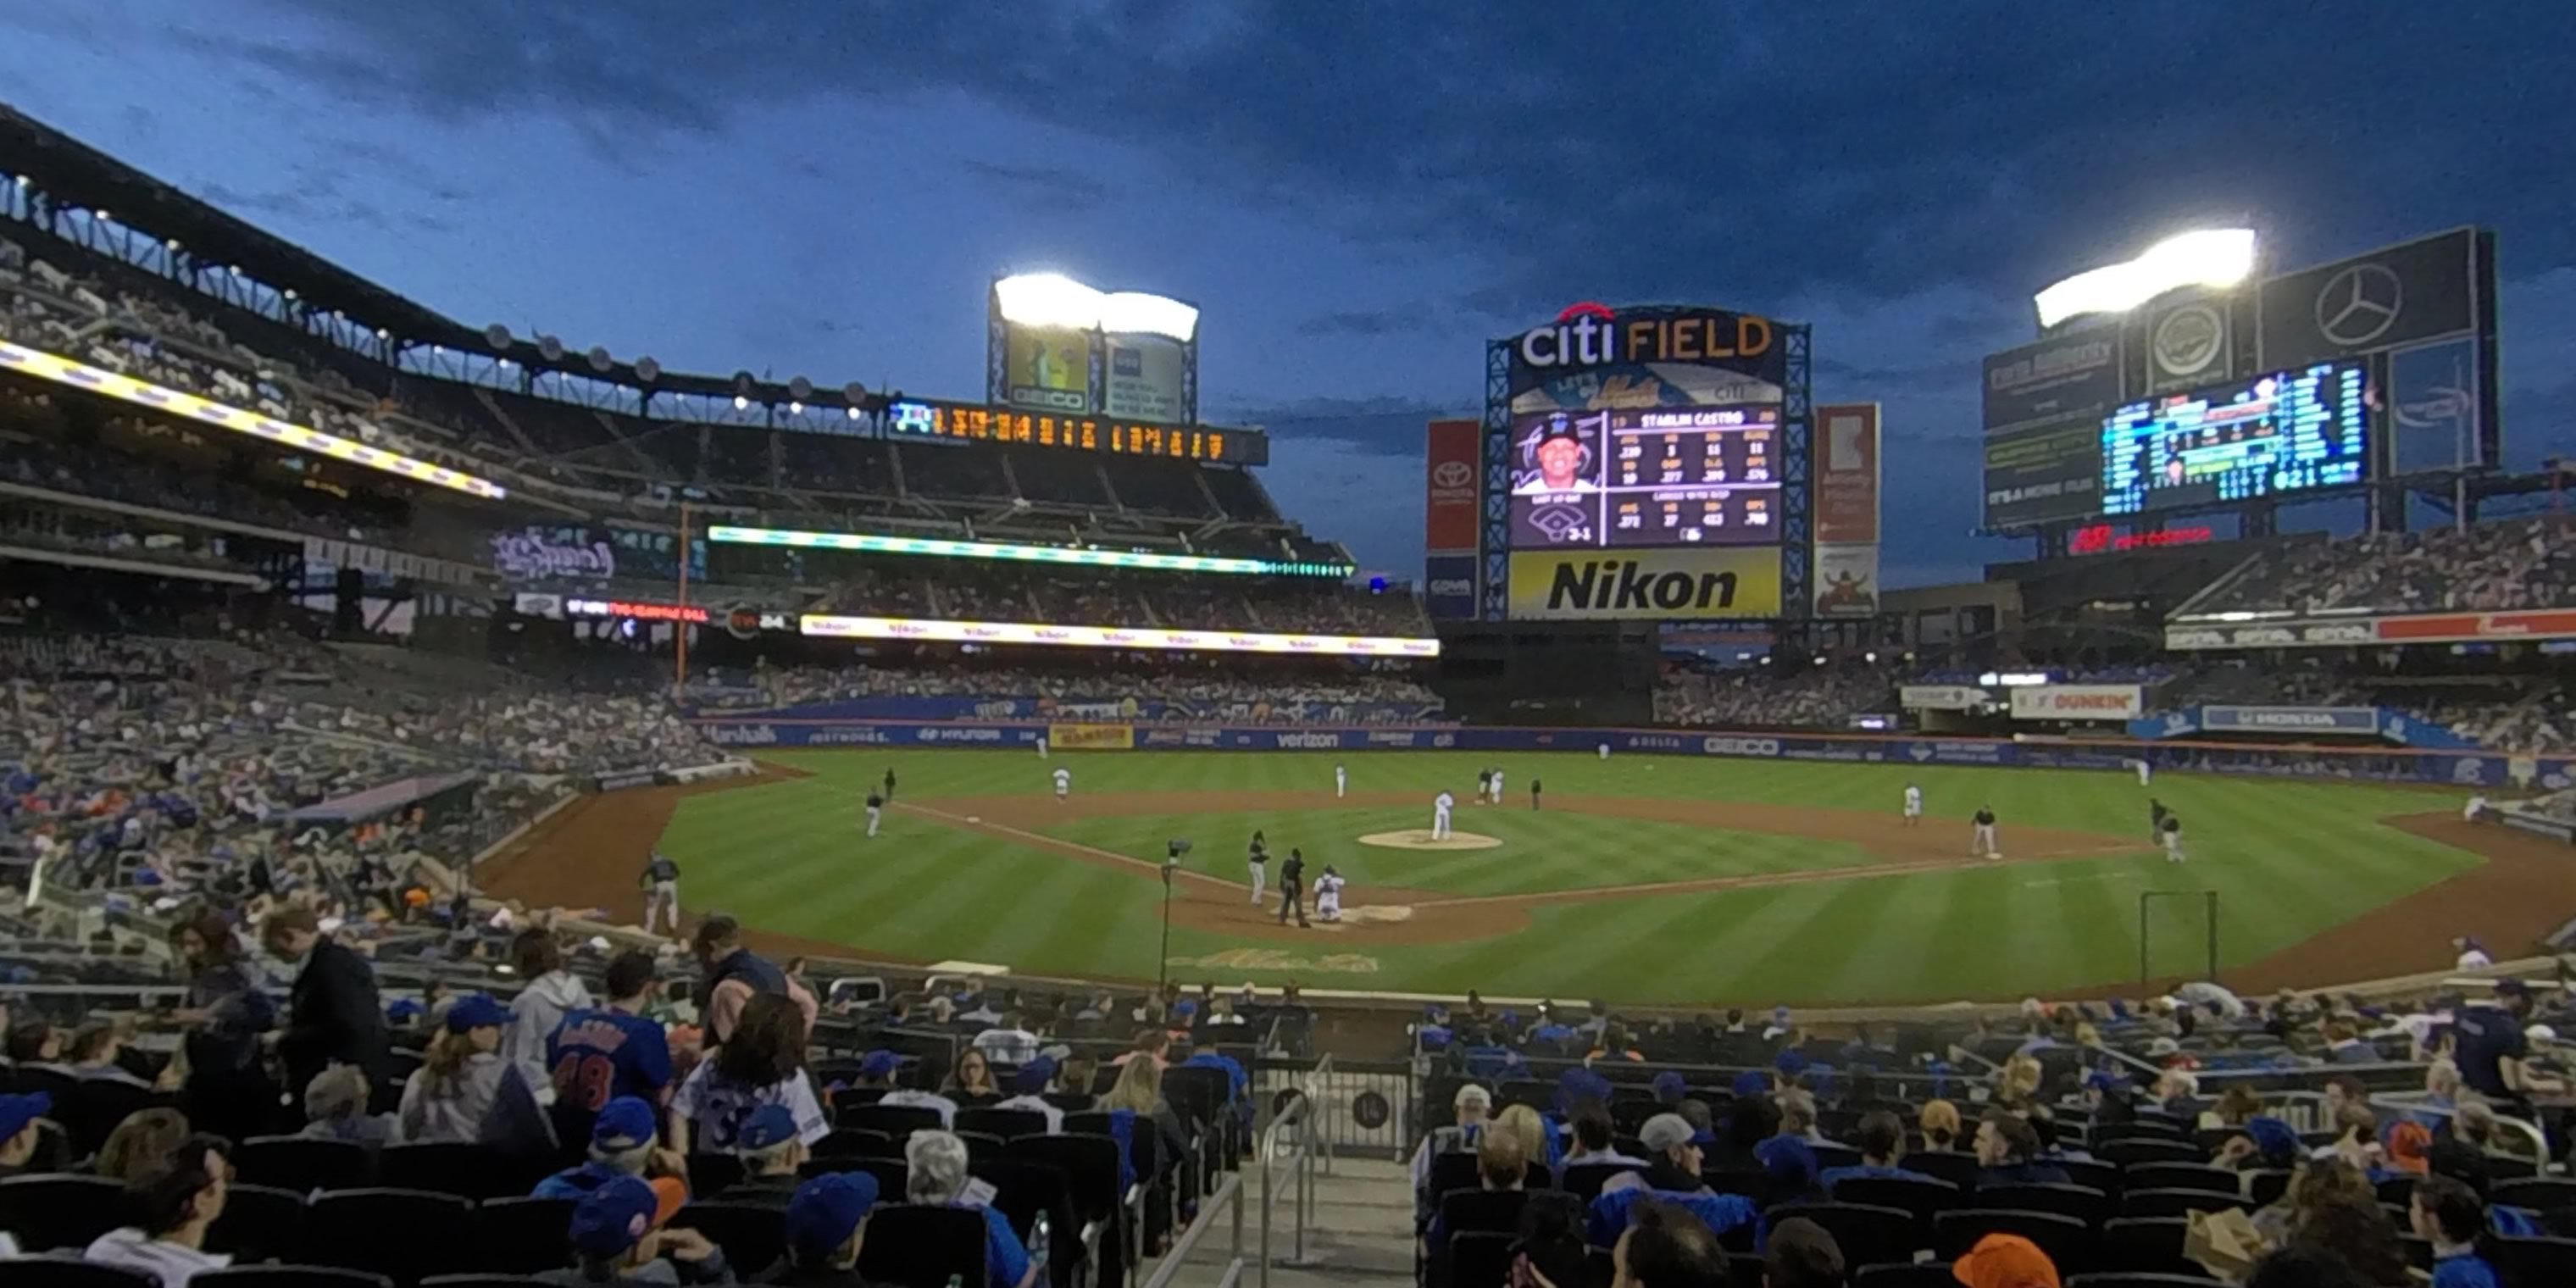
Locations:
(1590, 334)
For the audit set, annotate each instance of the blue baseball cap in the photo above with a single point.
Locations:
(1789, 1063)
(2273, 1138)
(827, 1210)
(1789, 1162)
(615, 1216)
(1752, 1082)
(769, 1127)
(623, 1124)
(18, 1111)
(477, 1012)
(1032, 1078)
(879, 1064)
(1669, 1087)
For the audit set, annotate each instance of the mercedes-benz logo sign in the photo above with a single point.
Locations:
(2188, 340)
(1452, 474)
(2359, 304)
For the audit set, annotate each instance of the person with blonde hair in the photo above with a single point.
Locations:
(1524, 1124)
(140, 1145)
(1939, 1121)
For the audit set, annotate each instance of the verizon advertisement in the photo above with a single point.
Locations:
(1449, 508)
(2079, 702)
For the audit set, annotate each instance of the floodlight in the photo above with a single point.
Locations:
(2215, 257)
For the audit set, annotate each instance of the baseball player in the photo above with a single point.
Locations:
(1042, 747)
(2477, 805)
(2146, 772)
(1328, 895)
(1341, 782)
(2171, 830)
(1913, 805)
(1292, 887)
(1484, 785)
(1604, 749)
(889, 782)
(2156, 815)
(1063, 784)
(876, 810)
(1440, 807)
(1498, 787)
(1259, 862)
(1981, 844)
(1534, 787)
(661, 882)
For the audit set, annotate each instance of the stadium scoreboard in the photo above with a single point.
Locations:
(1647, 477)
(2281, 434)
(1074, 432)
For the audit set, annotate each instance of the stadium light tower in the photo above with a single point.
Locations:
(1054, 300)
(2213, 257)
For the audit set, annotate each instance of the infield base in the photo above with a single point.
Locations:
(1420, 839)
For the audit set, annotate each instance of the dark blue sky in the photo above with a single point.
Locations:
(1358, 194)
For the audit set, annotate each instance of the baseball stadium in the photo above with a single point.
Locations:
(444, 759)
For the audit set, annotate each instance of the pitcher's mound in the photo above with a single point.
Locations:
(1420, 839)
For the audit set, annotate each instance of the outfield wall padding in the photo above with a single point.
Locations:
(2378, 764)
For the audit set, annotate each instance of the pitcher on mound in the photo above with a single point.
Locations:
(1440, 807)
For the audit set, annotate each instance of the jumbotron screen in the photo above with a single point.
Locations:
(2294, 432)
(1646, 476)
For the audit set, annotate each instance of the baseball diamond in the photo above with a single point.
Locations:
(1720, 879)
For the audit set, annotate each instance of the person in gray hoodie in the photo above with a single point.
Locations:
(551, 994)
(452, 1094)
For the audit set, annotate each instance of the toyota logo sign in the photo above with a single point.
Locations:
(1452, 474)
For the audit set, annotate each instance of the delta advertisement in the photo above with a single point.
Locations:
(1684, 584)
(2460, 769)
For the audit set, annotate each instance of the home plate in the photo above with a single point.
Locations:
(1420, 839)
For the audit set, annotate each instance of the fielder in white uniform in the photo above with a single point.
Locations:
(1913, 805)
(1258, 859)
(1042, 750)
(1498, 787)
(1440, 807)
(2146, 772)
(2476, 806)
(1063, 784)
(1341, 782)
(1328, 894)
(2172, 838)
(1605, 751)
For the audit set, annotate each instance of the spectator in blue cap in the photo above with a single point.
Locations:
(1752, 1082)
(1789, 1164)
(1027, 1086)
(622, 1138)
(1672, 1175)
(1670, 1088)
(451, 1095)
(827, 1221)
(617, 1236)
(2268, 1144)
(19, 1134)
(880, 1068)
(771, 1152)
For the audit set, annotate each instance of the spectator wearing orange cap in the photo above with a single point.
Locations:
(2005, 1261)
(617, 1235)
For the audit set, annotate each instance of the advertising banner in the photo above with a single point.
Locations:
(830, 626)
(1846, 475)
(1942, 697)
(1450, 508)
(1449, 587)
(2436, 408)
(1047, 368)
(1091, 737)
(2076, 374)
(2391, 298)
(1846, 581)
(2188, 342)
(2363, 721)
(1595, 356)
(1670, 585)
(2273, 635)
(1145, 378)
(2079, 702)
(2046, 470)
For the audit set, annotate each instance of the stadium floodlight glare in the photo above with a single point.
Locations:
(77, 375)
(723, 533)
(828, 626)
(2213, 257)
(1052, 299)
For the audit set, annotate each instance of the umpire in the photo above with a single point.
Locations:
(1292, 888)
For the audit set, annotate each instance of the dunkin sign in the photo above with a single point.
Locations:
(2078, 702)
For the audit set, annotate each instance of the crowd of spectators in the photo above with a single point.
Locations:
(1765, 697)
(2488, 567)
(1154, 687)
(1012, 592)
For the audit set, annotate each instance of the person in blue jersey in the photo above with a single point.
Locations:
(599, 1054)
(1671, 1176)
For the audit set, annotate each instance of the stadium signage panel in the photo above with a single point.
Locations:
(640, 612)
(1589, 334)
(1941, 697)
(1137, 637)
(2354, 720)
(1111, 435)
(2289, 432)
(2077, 373)
(1450, 473)
(2424, 628)
(527, 555)
(2079, 702)
(2433, 628)
(2100, 539)
(2388, 298)
(78, 375)
(870, 544)
(1683, 584)
(1449, 586)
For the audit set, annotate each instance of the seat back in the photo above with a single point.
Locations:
(2178, 1203)
(853, 1142)
(260, 1223)
(452, 1167)
(923, 1247)
(1481, 1259)
(524, 1236)
(46, 1212)
(1584, 1180)
(753, 1235)
(302, 1164)
(2150, 1245)
(1922, 1198)
(1007, 1124)
(1451, 1170)
(404, 1235)
(1927, 1275)
(2534, 1261)
(1023, 1190)
(1945, 1165)
(2067, 1241)
(2183, 1176)
(1497, 1210)
(896, 1121)
(1867, 1235)
(65, 1272)
(288, 1277)
(2141, 1149)
(1089, 1164)
(2092, 1207)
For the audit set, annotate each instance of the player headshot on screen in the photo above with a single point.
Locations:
(1561, 452)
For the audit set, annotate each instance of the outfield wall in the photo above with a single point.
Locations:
(2379, 764)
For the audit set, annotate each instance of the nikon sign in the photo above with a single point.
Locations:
(1699, 584)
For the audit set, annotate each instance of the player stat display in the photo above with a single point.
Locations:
(1647, 476)
(2298, 431)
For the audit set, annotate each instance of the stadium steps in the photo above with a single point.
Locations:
(1363, 1229)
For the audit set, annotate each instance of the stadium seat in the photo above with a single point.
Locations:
(1926, 1275)
(897, 1121)
(63, 1270)
(2396, 1189)
(753, 1235)
(288, 1277)
(851, 1142)
(2550, 1195)
(1002, 1124)
(1835, 1156)
(1584, 1180)
(2066, 1240)
(1022, 1191)
(522, 1236)
(980, 1144)
(1088, 1122)
(60, 1211)
(2265, 1187)
(1451, 1170)
(2137, 1279)
(260, 1223)
(99, 1105)
(923, 1247)
(714, 1173)
(404, 1235)
(2179, 1203)
(2090, 1206)
(2134, 1151)
(454, 1167)
(1945, 1165)
(303, 1164)
(2093, 1174)
(483, 1281)
(1922, 1198)
(2136, 1129)
(1481, 1258)
(2149, 1244)
(1867, 1235)
(1089, 1164)
(1743, 1270)
(1462, 1210)
(2534, 1261)
(2182, 1176)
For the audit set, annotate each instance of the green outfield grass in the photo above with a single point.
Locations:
(2288, 859)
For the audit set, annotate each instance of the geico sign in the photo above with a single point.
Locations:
(1453, 586)
(1739, 746)
(1591, 335)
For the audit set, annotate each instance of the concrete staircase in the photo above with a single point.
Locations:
(1362, 1232)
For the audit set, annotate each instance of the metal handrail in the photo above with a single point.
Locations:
(2402, 1102)
(1304, 1111)
(1229, 1193)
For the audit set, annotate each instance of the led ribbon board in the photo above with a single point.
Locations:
(727, 533)
(1137, 637)
(64, 371)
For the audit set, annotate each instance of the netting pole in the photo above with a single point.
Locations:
(2143, 899)
(2212, 913)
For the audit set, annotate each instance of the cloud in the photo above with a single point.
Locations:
(1412, 316)
(1383, 426)
(1356, 495)
(1067, 188)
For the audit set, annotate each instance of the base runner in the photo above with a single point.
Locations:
(1063, 785)
(876, 810)
(2171, 833)
(1258, 859)
(1328, 895)
(1913, 805)
(1981, 843)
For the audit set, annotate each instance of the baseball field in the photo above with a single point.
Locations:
(1676, 880)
